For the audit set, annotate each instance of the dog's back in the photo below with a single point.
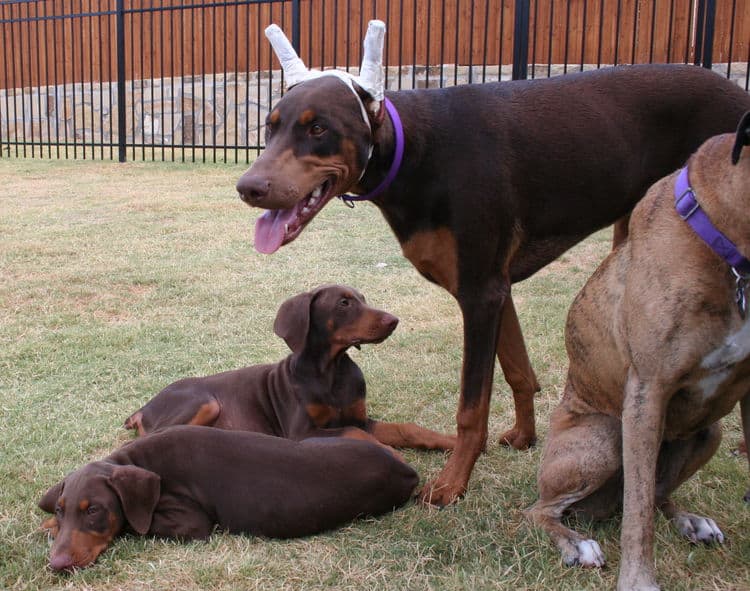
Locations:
(589, 142)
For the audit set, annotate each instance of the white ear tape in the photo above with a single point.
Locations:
(371, 75)
(294, 68)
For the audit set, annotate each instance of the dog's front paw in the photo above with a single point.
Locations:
(698, 529)
(518, 438)
(437, 494)
(586, 553)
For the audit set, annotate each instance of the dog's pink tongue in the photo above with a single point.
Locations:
(270, 229)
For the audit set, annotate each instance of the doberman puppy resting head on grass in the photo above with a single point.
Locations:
(183, 481)
(317, 391)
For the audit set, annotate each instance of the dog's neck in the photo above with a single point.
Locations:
(715, 193)
(330, 381)
(394, 144)
(313, 363)
(691, 210)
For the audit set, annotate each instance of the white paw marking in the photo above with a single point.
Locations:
(699, 529)
(590, 554)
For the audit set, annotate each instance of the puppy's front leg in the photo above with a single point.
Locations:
(642, 427)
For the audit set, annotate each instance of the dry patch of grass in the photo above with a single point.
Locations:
(118, 279)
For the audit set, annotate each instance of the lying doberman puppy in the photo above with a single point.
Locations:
(659, 347)
(316, 391)
(183, 481)
(483, 185)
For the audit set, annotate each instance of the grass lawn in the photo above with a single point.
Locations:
(118, 279)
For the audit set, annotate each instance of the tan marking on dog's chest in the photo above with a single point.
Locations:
(355, 412)
(434, 254)
(325, 415)
(322, 414)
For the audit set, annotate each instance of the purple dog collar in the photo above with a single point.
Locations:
(398, 129)
(690, 210)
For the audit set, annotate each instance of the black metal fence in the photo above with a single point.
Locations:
(193, 80)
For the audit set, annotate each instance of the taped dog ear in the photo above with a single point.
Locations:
(139, 491)
(742, 138)
(371, 72)
(293, 321)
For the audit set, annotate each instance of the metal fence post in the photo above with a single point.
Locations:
(708, 34)
(700, 17)
(521, 40)
(121, 120)
(296, 25)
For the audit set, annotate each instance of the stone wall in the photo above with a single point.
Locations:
(212, 110)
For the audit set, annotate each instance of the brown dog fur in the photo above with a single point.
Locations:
(658, 354)
(183, 481)
(497, 181)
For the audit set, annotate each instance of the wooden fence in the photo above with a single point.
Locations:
(49, 41)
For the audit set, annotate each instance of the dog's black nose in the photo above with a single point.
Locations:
(253, 188)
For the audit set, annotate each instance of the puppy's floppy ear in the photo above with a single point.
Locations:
(138, 491)
(48, 503)
(742, 138)
(49, 500)
(293, 320)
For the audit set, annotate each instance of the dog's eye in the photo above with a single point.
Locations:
(92, 510)
(58, 510)
(344, 302)
(316, 130)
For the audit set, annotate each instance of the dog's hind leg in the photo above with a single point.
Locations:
(514, 361)
(678, 461)
(175, 408)
(582, 456)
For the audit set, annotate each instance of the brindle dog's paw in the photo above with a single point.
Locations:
(698, 529)
(586, 553)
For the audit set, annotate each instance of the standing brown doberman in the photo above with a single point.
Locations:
(496, 181)
(317, 391)
(183, 480)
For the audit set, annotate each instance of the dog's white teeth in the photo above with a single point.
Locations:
(313, 201)
(305, 210)
(286, 228)
(317, 192)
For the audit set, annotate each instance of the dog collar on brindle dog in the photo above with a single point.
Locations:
(690, 210)
(398, 130)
